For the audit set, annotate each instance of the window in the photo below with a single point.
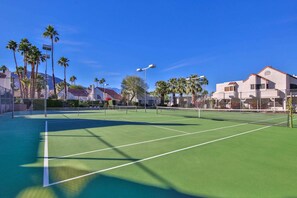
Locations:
(232, 88)
(258, 86)
(293, 86)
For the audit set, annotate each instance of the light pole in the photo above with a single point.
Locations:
(104, 84)
(46, 56)
(151, 66)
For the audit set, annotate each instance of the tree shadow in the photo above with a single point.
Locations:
(55, 125)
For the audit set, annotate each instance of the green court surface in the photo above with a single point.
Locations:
(97, 153)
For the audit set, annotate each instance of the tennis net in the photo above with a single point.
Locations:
(264, 117)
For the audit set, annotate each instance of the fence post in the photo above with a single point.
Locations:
(12, 111)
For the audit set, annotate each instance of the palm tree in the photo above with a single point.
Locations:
(181, 88)
(173, 89)
(51, 33)
(39, 84)
(102, 81)
(24, 48)
(96, 80)
(64, 63)
(3, 68)
(34, 58)
(60, 86)
(12, 45)
(73, 79)
(26, 84)
(162, 89)
(194, 85)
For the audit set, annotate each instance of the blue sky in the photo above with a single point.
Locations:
(222, 39)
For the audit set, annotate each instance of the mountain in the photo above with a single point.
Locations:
(119, 91)
(49, 79)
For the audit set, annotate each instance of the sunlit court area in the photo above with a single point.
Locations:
(148, 99)
(163, 152)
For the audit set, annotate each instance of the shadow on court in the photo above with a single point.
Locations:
(55, 125)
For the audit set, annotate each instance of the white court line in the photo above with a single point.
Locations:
(169, 129)
(45, 156)
(154, 140)
(144, 142)
(163, 154)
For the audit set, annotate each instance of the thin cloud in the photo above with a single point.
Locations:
(111, 73)
(189, 62)
(72, 43)
(66, 29)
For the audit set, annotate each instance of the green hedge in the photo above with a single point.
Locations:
(38, 104)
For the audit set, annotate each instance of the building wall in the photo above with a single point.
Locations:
(278, 83)
(6, 82)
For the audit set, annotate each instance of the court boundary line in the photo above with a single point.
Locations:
(152, 140)
(163, 154)
(45, 160)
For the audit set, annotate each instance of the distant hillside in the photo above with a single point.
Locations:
(49, 81)
(117, 90)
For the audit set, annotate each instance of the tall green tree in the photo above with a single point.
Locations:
(73, 79)
(64, 62)
(162, 88)
(133, 86)
(181, 89)
(96, 80)
(24, 48)
(34, 59)
(52, 34)
(172, 83)
(26, 84)
(194, 86)
(40, 84)
(3, 68)
(13, 46)
(102, 81)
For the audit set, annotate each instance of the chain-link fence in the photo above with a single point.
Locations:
(259, 99)
(6, 100)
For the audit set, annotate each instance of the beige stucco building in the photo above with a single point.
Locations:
(270, 85)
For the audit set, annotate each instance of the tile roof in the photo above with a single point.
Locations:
(78, 92)
(111, 93)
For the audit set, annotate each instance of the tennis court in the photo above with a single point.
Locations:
(167, 152)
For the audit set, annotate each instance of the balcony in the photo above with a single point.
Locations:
(265, 93)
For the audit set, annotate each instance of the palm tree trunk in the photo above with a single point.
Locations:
(180, 99)
(26, 86)
(18, 73)
(53, 69)
(32, 80)
(193, 98)
(65, 83)
(174, 99)
(162, 99)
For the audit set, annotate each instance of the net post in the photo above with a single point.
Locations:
(157, 110)
(127, 110)
(12, 100)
